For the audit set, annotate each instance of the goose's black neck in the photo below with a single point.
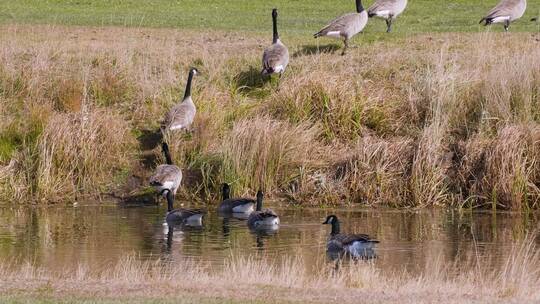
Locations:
(259, 202)
(170, 201)
(359, 7)
(226, 192)
(188, 85)
(167, 154)
(275, 37)
(335, 227)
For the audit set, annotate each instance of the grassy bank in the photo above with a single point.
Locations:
(433, 119)
(298, 17)
(251, 280)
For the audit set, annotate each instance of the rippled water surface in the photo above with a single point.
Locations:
(98, 234)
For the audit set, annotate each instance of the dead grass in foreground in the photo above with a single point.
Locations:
(243, 279)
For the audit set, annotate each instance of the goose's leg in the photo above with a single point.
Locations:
(389, 23)
(506, 25)
(346, 42)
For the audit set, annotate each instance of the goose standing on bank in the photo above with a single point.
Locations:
(235, 205)
(506, 12)
(387, 10)
(167, 178)
(181, 116)
(346, 26)
(263, 219)
(357, 245)
(275, 57)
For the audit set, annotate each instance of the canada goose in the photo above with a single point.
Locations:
(235, 205)
(263, 219)
(275, 57)
(181, 216)
(182, 114)
(346, 26)
(387, 10)
(506, 12)
(168, 177)
(354, 244)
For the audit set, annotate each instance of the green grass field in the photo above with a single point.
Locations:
(297, 17)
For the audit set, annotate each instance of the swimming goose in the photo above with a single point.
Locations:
(167, 177)
(275, 57)
(346, 26)
(387, 10)
(235, 205)
(263, 219)
(354, 244)
(182, 114)
(506, 12)
(181, 216)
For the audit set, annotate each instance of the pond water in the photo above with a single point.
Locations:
(100, 234)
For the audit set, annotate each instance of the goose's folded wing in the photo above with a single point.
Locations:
(180, 114)
(275, 55)
(340, 24)
(165, 173)
(347, 239)
(501, 10)
(380, 6)
(235, 202)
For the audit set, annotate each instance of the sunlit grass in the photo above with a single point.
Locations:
(433, 119)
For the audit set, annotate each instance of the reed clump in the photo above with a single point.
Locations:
(426, 120)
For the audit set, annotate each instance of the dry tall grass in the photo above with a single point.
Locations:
(426, 120)
(477, 281)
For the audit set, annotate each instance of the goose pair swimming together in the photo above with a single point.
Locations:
(258, 219)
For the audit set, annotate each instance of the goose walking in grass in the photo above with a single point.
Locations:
(387, 10)
(356, 245)
(505, 12)
(347, 26)
(264, 220)
(168, 177)
(235, 205)
(275, 57)
(181, 116)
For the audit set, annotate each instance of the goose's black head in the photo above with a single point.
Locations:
(194, 71)
(331, 219)
(226, 191)
(274, 13)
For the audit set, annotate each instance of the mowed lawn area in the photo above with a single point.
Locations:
(300, 17)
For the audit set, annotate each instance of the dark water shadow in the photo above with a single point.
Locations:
(312, 49)
(250, 81)
(149, 140)
(138, 200)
